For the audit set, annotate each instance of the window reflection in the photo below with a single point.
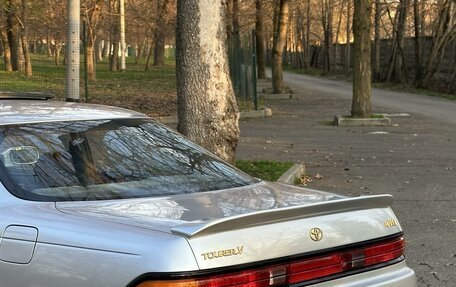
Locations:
(110, 159)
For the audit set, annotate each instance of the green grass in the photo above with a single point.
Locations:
(264, 169)
(152, 92)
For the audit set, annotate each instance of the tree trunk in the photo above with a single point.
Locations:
(207, 109)
(452, 78)
(396, 66)
(418, 49)
(308, 29)
(58, 49)
(6, 52)
(361, 103)
(229, 22)
(114, 39)
(260, 45)
(280, 33)
(99, 51)
(444, 33)
(160, 33)
(336, 44)
(48, 46)
(24, 38)
(12, 27)
(114, 63)
(377, 42)
(236, 24)
(123, 44)
(93, 17)
(348, 37)
(91, 72)
(149, 57)
(139, 52)
(327, 18)
(159, 49)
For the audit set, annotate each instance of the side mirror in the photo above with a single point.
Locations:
(21, 155)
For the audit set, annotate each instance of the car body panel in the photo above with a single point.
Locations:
(74, 252)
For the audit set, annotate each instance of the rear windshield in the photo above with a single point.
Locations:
(107, 159)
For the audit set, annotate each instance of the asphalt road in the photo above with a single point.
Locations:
(414, 160)
(438, 109)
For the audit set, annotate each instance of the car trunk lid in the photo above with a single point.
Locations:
(261, 222)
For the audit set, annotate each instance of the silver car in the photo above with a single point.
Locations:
(97, 196)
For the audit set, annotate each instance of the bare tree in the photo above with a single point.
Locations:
(160, 33)
(207, 109)
(377, 69)
(13, 33)
(4, 40)
(348, 37)
(361, 104)
(260, 45)
(6, 51)
(327, 24)
(92, 11)
(280, 34)
(24, 39)
(397, 60)
(444, 33)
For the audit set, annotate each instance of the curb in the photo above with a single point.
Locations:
(345, 121)
(294, 172)
(276, 96)
(263, 113)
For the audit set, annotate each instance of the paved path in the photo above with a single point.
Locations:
(436, 108)
(415, 160)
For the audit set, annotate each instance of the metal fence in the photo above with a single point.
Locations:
(242, 57)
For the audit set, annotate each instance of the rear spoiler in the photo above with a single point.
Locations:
(25, 96)
(192, 230)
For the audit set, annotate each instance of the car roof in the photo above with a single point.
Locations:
(37, 111)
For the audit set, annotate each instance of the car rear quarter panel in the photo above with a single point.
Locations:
(73, 252)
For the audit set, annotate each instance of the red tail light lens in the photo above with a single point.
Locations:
(319, 267)
(297, 271)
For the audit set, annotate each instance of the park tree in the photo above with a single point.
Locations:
(361, 103)
(397, 59)
(4, 39)
(444, 32)
(207, 109)
(348, 33)
(12, 9)
(260, 41)
(160, 32)
(418, 43)
(92, 12)
(377, 70)
(24, 38)
(327, 13)
(281, 10)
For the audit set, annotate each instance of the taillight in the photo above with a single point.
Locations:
(315, 268)
(312, 268)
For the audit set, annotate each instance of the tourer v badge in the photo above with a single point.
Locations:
(223, 253)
